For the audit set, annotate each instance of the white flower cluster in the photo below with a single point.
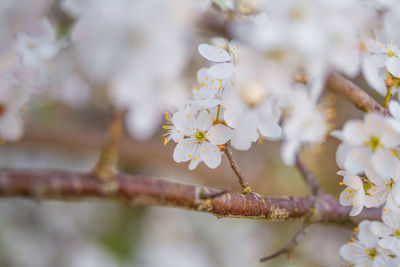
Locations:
(23, 72)
(371, 169)
(239, 104)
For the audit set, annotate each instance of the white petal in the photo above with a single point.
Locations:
(184, 150)
(380, 229)
(201, 75)
(394, 108)
(341, 154)
(219, 134)
(214, 53)
(355, 210)
(210, 154)
(393, 66)
(379, 60)
(365, 234)
(374, 46)
(390, 242)
(203, 121)
(353, 181)
(356, 160)
(372, 76)
(11, 127)
(385, 163)
(337, 134)
(348, 251)
(221, 70)
(354, 132)
(289, 150)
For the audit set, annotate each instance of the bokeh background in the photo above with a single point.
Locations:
(96, 233)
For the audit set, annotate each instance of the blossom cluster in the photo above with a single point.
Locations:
(263, 80)
(370, 161)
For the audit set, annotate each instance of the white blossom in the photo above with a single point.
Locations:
(306, 124)
(365, 251)
(369, 143)
(34, 50)
(224, 58)
(201, 140)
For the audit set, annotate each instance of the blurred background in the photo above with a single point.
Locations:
(95, 233)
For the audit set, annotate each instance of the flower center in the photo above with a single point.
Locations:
(374, 143)
(391, 54)
(252, 94)
(200, 136)
(372, 253)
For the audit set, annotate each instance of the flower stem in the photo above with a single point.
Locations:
(387, 96)
(235, 167)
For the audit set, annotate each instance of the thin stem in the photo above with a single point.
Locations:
(235, 167)
(387, 96)
(105, 168)
(290, 246)
(308, 177)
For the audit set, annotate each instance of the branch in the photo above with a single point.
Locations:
(290, 246)
(44, 184)
(235, 167)
(355, 94)
(105, 168)
(308, 177)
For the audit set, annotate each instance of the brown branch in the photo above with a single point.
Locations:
(105, 168)
(290, 246)
(63, 185)
(235, 167)
(355, 94)
(308, 177)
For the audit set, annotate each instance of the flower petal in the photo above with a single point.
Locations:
(221, 70)
(203, 121)
(219, 134)
(210, 154)
(385, 163)
(393, 66)
(184, 150)
(214, 53)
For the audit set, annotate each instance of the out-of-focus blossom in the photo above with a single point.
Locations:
(306, 124)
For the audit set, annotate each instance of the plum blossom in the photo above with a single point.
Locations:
(383, 61)
(224, 58)
(365, 251)
(34, 50)
(369, 144)
(253, 106)
(354, 194)
(388, 231)
(384, 190)
(306, 124)
(201, 140)
(205, 95)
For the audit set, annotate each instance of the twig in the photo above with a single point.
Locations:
(235, 167)
(291, 245)
(63, 185)
(308, 177)
(105, 168)
(387, 96)
(355, 94)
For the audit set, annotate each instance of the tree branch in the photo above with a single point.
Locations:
(355, 94)
(235, 167)
(45, 184)
(290, 246)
